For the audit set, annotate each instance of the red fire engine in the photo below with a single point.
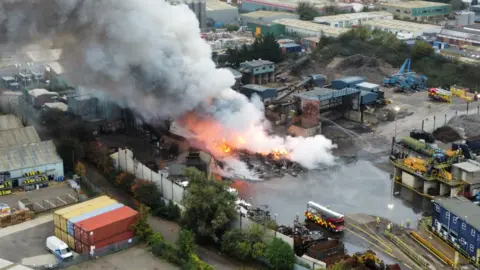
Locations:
(324, 217)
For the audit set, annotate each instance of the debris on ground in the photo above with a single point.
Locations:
(446, 134)
(470, 123)
(360, 65)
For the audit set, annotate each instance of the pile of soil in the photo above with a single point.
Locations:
(360, 65)
(470, 123)
(446, 134)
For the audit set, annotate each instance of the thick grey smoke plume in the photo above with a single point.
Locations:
(149, 54)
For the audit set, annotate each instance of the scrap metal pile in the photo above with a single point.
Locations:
(270, 165)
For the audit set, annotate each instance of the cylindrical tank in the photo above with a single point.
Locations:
(416, 145)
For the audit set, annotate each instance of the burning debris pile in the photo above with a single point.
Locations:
(271, 165)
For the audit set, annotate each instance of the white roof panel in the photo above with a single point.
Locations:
(27, 156)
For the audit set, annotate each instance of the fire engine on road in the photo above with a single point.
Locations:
(321, 215)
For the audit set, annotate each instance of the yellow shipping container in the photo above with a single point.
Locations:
(58, 233)
(71, 242)
(59, 212)
(82, 210)
(64, 236)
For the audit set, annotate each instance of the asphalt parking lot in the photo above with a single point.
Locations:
(44, 198)
(26, 243)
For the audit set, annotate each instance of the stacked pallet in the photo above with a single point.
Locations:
(94, 224)
(15, 218)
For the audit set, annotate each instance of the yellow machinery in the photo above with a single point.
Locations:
(416, 164)
(460, 92)
(367, 256)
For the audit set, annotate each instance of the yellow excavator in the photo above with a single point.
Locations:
(370, 260)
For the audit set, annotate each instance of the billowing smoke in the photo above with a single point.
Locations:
(149, 55)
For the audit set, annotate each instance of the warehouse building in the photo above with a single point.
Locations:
(261, 28)
(309, 29)
(417, 10)
(23, 162)
(198, 7)
(18, 136)
(458, 221)
(460, 36)
(9, 121)
(257, 71)
(221, 12)
(265, 16)
(352, 19)
(38, 97)
(469, 172)
(403, 28)
(265, 93)
(287, 5)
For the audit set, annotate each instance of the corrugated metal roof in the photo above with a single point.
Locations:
(45, 55)
(218, 5)
(464, 209)
(350, 79)
(368, 85)
(460, 33)
(257, 87)
(27, 156)
(9, 121)
(265, 14)
(325, 94)
(415, 4)
(468, 166)
(401, 25)
(311, 26)
(18, 136)
(352, 16)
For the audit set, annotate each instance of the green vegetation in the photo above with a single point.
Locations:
(232, 27)
(183, 254)
(264, 47)
(306, 11)
(209, 207)
(280, 255)
(385, 46)
(244, 245)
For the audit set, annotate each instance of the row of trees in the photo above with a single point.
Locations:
(382, 45)
(264, 47)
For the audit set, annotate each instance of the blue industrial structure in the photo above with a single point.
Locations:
(406, 80)
(291, 48)
(458, 221)
(263, 92)
(367, 98)
(347, 82)
(329, 98)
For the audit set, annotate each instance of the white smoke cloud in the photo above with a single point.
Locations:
(150, 55)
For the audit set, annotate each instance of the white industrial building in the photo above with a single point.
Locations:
(20, 160)
(266, 16)
(222, 12)
(309, 29)
(352, 19)
(18, 136)
(403, 28)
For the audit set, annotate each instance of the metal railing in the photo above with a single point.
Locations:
(419, 260)
(54, 202)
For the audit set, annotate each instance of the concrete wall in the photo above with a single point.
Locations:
(311, 262)
(302, 32)
(370, 118)
(353, 116)
(245, 223)
(411, 180)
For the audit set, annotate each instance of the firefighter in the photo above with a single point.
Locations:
(408, 223)
(378, 222)
(402, 225)
(389, 227)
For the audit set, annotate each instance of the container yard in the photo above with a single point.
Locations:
(94, 224)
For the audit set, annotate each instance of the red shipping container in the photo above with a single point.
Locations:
(78, 246)
(104, 226)
(113, 240)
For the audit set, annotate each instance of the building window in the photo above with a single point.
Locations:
(471, 248)
(472, 232)
(447, 214)
(464, 226)
(264, 68)
(271, 67)
(455, 219)
(398, 10)
(437, 208)
(462, 241)
(436, 222)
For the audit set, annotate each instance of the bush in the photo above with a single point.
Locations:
(280, 255)
(243, 245)
(169, 211)
(194, 263)
(186, 243)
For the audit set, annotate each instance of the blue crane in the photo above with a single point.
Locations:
(406, 80)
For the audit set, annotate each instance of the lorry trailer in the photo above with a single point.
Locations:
(440, 94)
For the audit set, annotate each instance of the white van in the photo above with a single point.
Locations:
(59, 248)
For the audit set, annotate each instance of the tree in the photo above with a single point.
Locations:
(209, 207)
(80, 169)
(141, 227)
(306, 11)
(280, 255)
(232, 27)
(186, 243)
(148, 193)
(244, 245)
(421, 50)
(264, 47)
(69, 150)
(125, 181)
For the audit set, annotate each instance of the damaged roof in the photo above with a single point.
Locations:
(18, 136)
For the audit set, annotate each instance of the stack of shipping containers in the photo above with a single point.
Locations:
(103, 220)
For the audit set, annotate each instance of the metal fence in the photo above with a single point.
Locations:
(92, 187)
(99, 252)
(55, 202)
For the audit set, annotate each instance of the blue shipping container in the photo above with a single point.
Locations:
(368, 97)
(318, 79)
(94, 213)
(347, 82)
